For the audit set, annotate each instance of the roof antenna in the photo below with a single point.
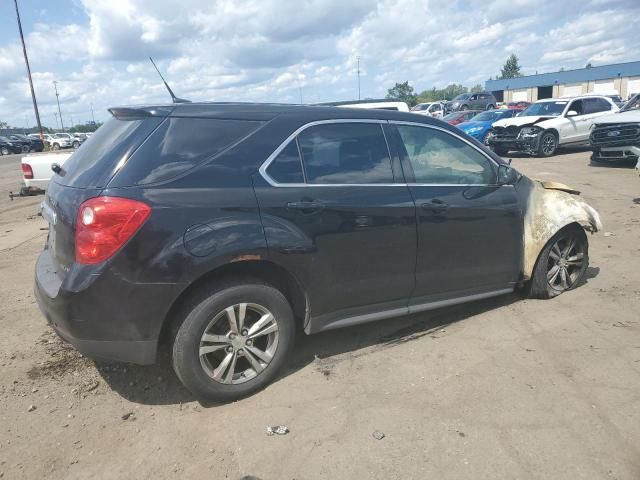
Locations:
(173, 97)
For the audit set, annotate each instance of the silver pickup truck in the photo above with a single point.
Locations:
(616, 138)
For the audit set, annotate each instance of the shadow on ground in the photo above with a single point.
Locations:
(158, 384)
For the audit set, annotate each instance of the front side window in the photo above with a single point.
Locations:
(345, 153)
(438, 157)
(576, 106)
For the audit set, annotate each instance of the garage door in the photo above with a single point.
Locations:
(605, 87)
(520, 95)
(633, 86)
(572, 90)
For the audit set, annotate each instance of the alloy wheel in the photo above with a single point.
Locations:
(565, 263)
(239, 343)
(548, 144)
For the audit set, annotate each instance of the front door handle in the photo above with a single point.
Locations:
(306, 206)
(436, 205)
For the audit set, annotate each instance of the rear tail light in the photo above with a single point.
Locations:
(105, 224)
(27, 171)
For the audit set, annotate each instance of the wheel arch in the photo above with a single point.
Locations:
(548, 212)
(264, 270)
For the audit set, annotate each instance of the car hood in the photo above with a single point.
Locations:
(520, 121)
(632, 116)
(469, 125)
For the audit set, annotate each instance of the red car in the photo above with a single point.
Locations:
(458, 117)
(518, 105)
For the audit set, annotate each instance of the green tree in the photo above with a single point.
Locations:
(4, 125)
(511, 68)
(476, 88)
(588, 65)
(447, 93)
(403, 91)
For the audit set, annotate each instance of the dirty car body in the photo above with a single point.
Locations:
(353, 215)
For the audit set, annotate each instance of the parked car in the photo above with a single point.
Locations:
(480, 124)
(74, 139)
(455, 118)
(223, 228)
(432, 109)
(56, 141)
(28, 144)
(516, 105)
(617, 99)
(379, 104)
(37, 169)
(550, 124)
(472, 101)
(7, 147)
(615, 138)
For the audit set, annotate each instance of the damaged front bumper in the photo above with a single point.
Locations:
(526, 143)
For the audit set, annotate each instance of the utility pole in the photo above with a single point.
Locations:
(358, 58)
(92, 117)
(56, 115)
(72, 124)
(55, 85)
(26, 61)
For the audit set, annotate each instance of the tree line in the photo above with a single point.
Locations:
(405, 92)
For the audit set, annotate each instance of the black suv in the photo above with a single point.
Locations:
(222, 228)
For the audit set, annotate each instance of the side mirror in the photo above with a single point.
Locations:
(572, 113)
(507, 175)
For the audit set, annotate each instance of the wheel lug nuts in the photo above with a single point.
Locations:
(230, 349)
(244, 332)
(249, 342)
(232, 336)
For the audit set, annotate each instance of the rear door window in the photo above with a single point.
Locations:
(287, 167)
(596, 105)
(345, 153)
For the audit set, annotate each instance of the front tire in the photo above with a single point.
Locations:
(76, 145)
(55, 146)
(4, 151)
(464, 108)
(561, 264)
(233, 340)
(548, 144)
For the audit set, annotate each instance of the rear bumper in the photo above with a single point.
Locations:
(98, 320)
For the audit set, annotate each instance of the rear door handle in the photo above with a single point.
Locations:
(309, 206)
(436, 205)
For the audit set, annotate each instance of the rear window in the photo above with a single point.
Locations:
(180, 144)
(93, 164)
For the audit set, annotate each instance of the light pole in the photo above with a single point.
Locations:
(92, 117)
(55, 85)
(358, 58)
(57, 124)
(26, 61)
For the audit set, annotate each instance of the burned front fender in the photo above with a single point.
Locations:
(551, 206)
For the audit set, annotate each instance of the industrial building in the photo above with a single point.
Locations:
(618, 79)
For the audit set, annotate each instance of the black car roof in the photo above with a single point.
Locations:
(266, 111)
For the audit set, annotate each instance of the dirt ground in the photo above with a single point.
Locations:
(502, 388)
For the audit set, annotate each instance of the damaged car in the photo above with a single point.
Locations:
(615, 138)
(550, 124)
(218, 230)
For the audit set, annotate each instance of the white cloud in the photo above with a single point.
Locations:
(276, 50)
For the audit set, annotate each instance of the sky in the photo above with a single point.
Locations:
(288, 50)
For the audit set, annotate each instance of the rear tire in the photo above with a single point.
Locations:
(76, 144)
(500, 151)
(4, 151)
(490, 107)
(55, 146)
(206, 340)
(561, 264)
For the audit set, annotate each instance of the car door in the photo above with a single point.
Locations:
(572, 127)
(340, 219)
(474, 103)
(469, 227)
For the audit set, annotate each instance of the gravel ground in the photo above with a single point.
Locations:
(502, 388)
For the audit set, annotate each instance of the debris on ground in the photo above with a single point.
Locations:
(128, 415)
(378, 435)
(31, 408)
(277, 430)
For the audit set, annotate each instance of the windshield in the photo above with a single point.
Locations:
(462, 96)
(550, 109)
(632, 104)
(485, 117)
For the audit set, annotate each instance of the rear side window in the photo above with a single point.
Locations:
(345, 153)
(93, 164)
(286, 167)
(180, 144)
(595, 105)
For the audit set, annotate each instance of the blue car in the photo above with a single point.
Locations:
(479, 126)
